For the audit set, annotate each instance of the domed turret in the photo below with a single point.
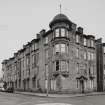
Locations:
(59, 18)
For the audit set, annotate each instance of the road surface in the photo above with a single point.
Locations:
(19, 99)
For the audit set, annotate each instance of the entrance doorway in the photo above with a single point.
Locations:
(82, 86)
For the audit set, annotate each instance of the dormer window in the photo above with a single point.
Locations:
(62, 32)
(57, 33)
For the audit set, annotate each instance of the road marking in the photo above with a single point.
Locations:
(54, 104)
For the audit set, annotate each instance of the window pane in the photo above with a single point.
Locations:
(84, 41)
(77, 67)
(92, 56)
(77, 52)
(92, 43)
(63, 48)
(92, 69)
(36, 46)
(46, 54)
(77, 38)
(104, 49)
(67, 33)
(89, 56)
(57, 65)
(62, 32)
(57, 48)
(46, 40)
(63, 65)
(88, 43)
(85, 55)
(33, 47)
(57, 33)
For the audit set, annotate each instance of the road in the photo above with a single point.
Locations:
(18, 99)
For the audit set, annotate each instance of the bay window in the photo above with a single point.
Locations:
(61, 48)
(57, 48)
(61, 32)
(62, 65)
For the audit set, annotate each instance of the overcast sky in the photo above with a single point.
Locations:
(21, 20)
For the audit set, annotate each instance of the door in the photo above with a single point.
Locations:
(82, 85)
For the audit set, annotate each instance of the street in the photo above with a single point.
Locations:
(17, 99)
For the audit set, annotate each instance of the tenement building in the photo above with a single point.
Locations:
(62, 59)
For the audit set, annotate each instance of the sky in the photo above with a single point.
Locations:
(21, 20)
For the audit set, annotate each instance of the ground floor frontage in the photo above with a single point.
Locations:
(59, 83)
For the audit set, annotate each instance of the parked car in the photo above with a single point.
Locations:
(9, 90)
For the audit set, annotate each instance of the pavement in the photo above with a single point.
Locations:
(60, 95)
